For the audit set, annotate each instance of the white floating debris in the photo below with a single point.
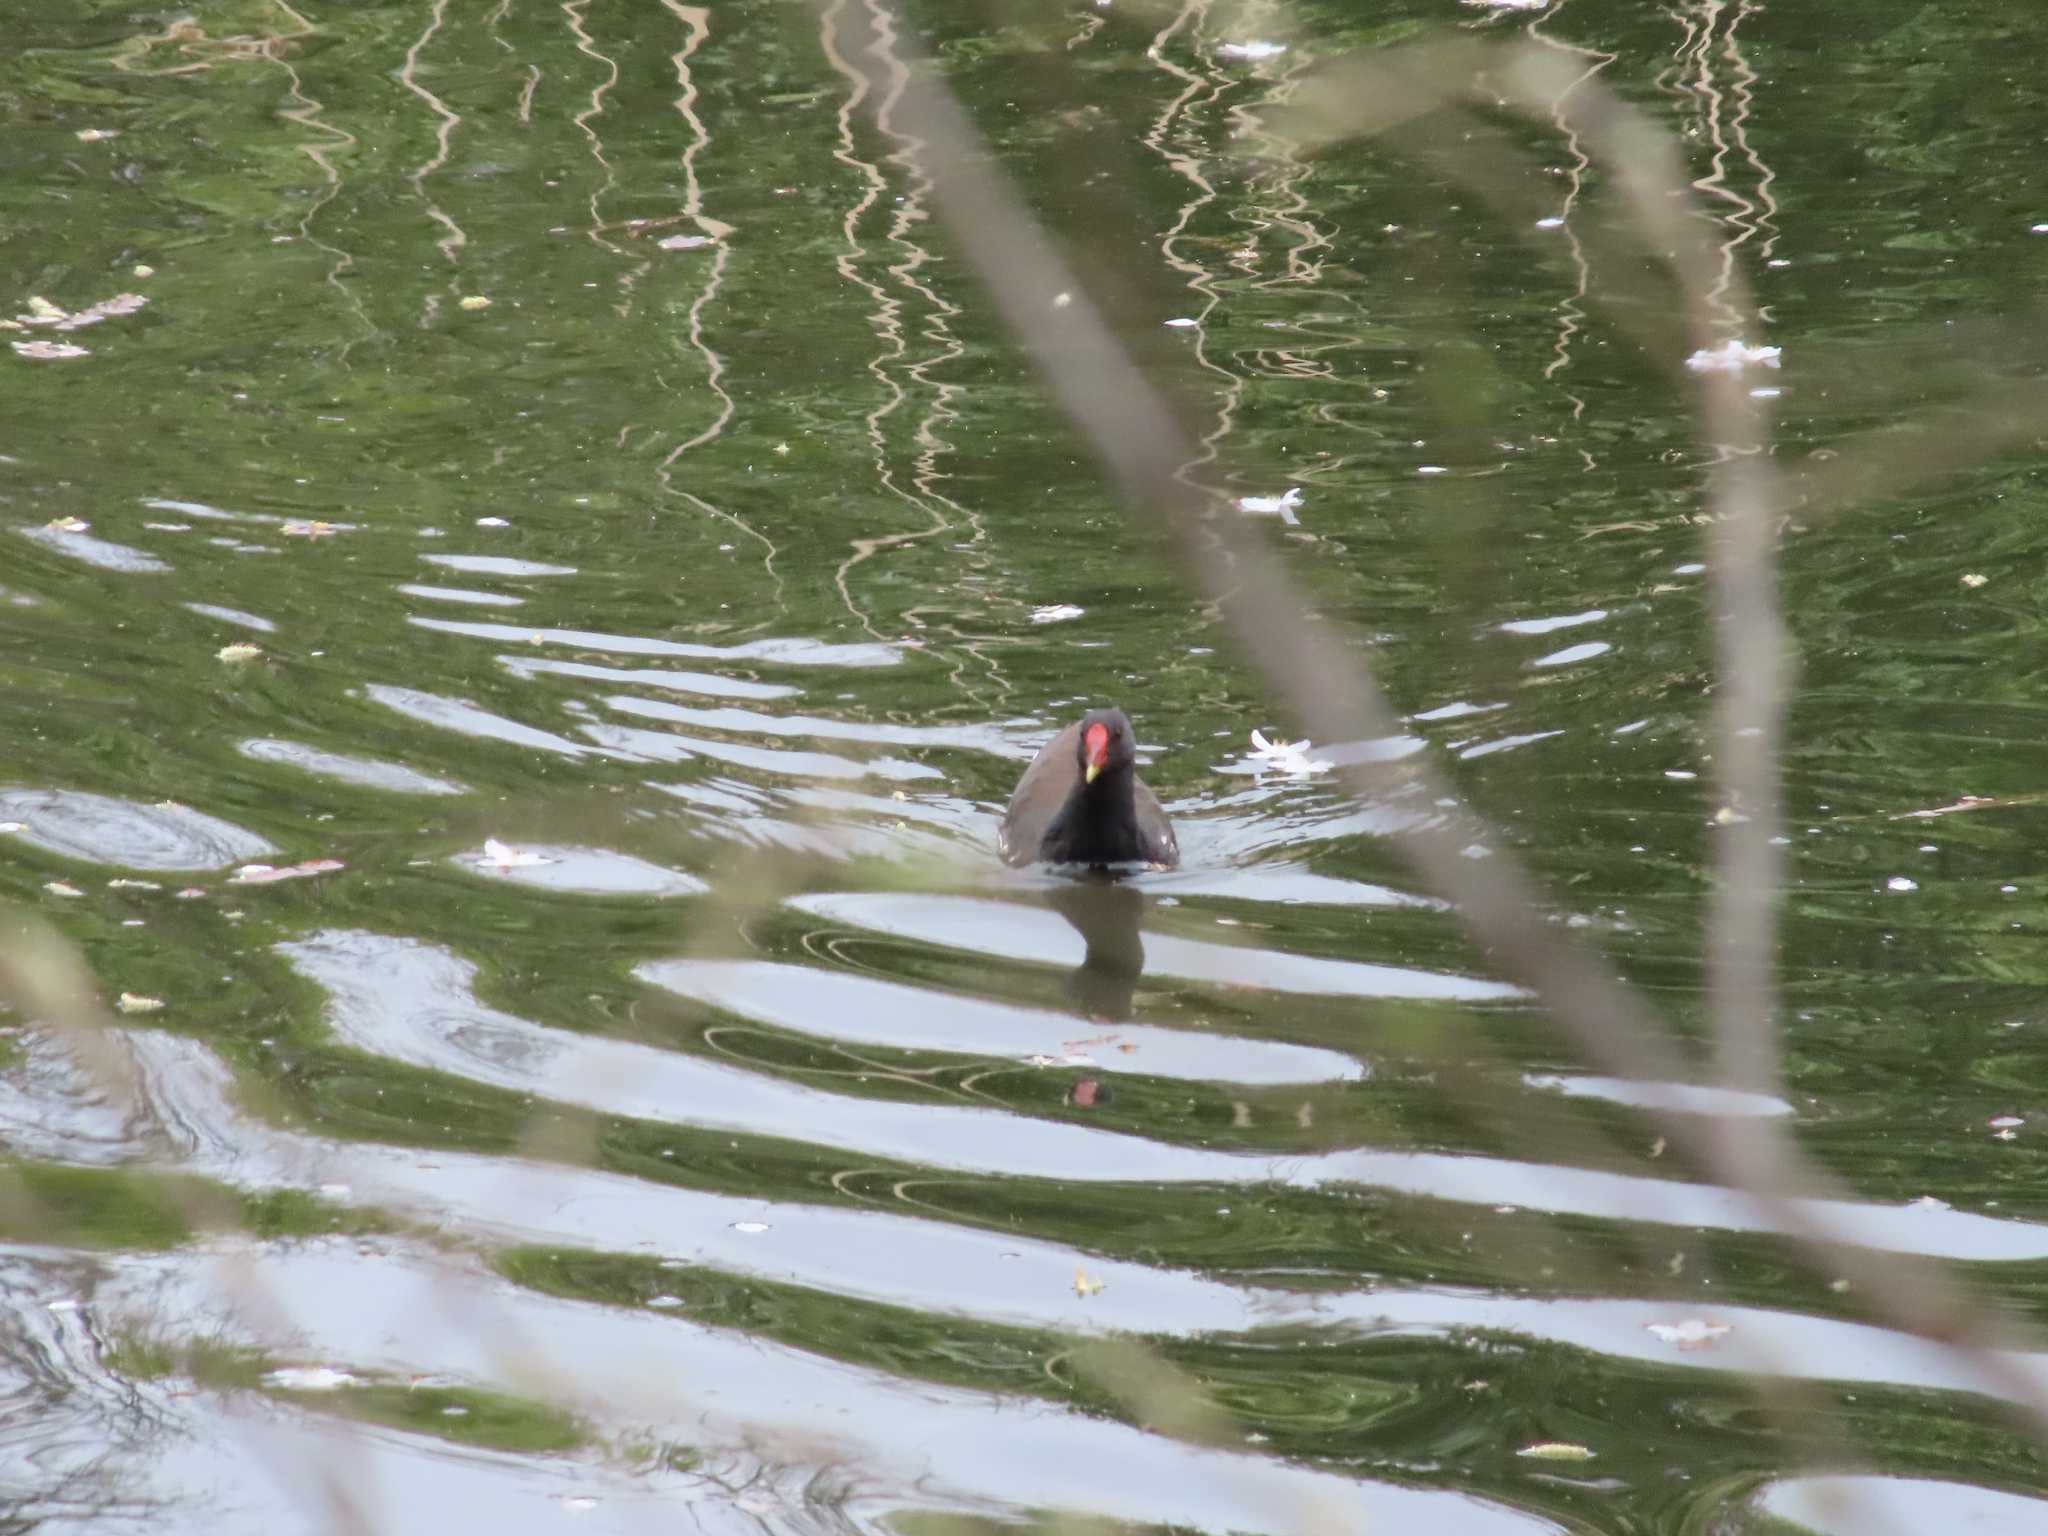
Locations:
(62, 888)
(48, 351)
(1555, 1450)
(1901, 883)
(309, 1378)
(1680, 773)
(240, 651)
(2005, 1122)
(473, 301)
(1289, 757)
(499, 855)
(1732, 357)
(270, 874)
(133, 1002)
(683, 242)
(493, 522)
(1693, 1333)
(1252, 50)
(1768, 392)
(750, 1226)
(2040, 229)
(1182, 322)
(1281, 506)
(1056, 613)
(665, 1301)
(1974, 579)
(1431, 469)
(1553, 222)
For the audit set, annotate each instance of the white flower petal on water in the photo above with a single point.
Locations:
(1056, 613)
(1732, 357)
(1693, 1333)
(1289, 757)
(1281, 506)
(499, 855)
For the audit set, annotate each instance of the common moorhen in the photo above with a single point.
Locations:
(1081, 802)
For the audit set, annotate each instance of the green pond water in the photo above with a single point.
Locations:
(557, 492)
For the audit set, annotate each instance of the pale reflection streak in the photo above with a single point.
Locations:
(1572, 310)
(306, 111)
(575, 11)
(444, 134)
(1722, 116)
(1289, 209)
(1191, 16)
(910, 213)
(504, 9)
(696, 24)
(886, 316)
(1742, 91)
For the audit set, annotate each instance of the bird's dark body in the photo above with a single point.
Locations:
(1056, 815)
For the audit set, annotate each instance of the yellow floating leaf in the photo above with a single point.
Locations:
(134, 1002)
(1083, 1286)
(1555, 1450)
(474, 301)
(240, 651)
